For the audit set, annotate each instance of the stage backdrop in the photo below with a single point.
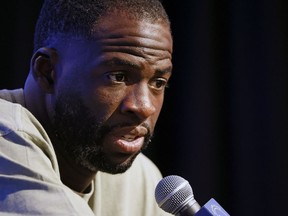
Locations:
(224, 122)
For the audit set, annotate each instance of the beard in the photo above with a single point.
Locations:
(81, 135)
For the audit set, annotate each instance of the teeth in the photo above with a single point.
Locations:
(128, 138)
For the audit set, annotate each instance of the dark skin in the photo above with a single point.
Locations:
(119, 78)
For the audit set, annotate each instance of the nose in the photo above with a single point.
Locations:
(138, 101)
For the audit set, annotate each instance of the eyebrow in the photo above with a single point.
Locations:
(122, 62)
(164, 71)
(119, 62)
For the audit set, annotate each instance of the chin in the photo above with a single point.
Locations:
(108, 165)
(118, 168)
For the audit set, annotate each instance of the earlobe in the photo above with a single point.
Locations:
(43, 69)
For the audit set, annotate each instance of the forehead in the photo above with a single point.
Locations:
(118, 36)
(138, 32)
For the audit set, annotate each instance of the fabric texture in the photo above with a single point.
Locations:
(30, 182)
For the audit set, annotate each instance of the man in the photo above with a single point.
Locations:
(71, 140)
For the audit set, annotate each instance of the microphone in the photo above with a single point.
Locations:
(174, 195)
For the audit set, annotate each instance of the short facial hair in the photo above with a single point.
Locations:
(81, 135)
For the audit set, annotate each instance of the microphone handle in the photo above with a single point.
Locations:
(212, 208)
(189, 210)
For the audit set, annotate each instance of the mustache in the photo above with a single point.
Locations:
(106, 129)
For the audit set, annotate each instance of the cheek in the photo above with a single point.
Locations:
(158, 103)
(158, 106)
(110, 98)
(159, 100)
(103, 104)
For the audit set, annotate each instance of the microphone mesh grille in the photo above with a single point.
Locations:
(172, 192)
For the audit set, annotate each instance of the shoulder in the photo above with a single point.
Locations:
(10, 118)
(19, 127)
(13, 113)
(13, 95)
(15, 117)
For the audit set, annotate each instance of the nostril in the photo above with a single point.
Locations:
(139, 101)
(143, 109)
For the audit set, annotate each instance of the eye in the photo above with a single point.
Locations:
(116, 77)
(159, 84)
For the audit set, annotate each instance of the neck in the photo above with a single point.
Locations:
(73, 175)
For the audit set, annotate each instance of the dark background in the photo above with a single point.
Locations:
(224, 122)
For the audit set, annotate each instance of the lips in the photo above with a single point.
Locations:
(125, 140)
(130, 146)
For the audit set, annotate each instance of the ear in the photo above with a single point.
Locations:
(43, 68)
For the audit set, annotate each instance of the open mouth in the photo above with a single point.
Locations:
(125, 140)
(129, 144)
(129, 138)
